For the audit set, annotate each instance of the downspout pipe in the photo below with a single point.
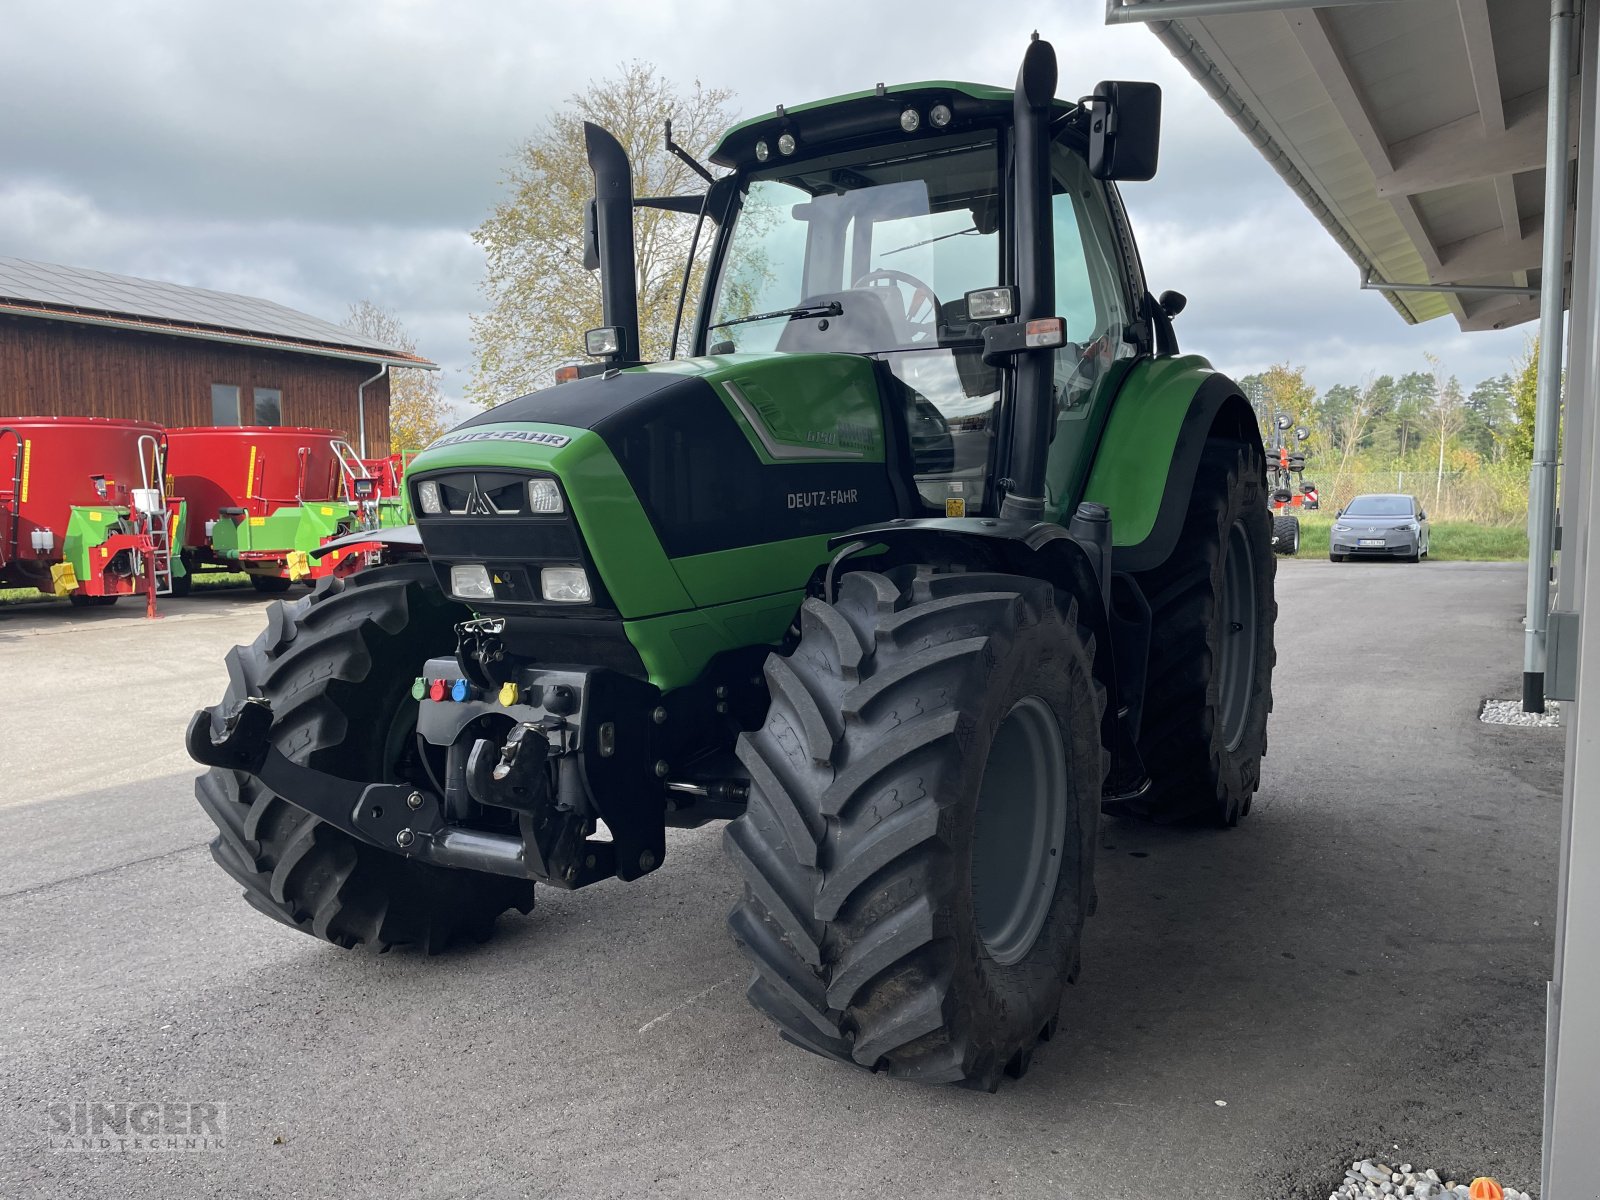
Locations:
(1032, 410)
(361, 407)
(613, 203)
(1547, 396)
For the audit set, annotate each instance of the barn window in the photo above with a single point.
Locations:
(269, 406)
(225, 404)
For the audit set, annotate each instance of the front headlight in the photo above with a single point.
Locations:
(1413, 527)
(544, 496)
(428, 497)
(470, 581)
(1341, 529)
(564, 585)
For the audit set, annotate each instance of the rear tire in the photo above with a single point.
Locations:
(1204, 729)
(900, 914)
(338, 666)
(1286, 535)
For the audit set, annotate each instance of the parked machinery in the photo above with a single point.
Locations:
(1285, 467)
(84, 510)
(262, 497)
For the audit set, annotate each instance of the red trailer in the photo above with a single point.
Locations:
(260, 497)
(83, 508)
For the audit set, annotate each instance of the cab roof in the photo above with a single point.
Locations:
(865, 114)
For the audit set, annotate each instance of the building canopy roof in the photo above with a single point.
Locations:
(1414, 131)
(48, 291)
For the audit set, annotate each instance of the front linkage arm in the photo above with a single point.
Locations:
(396, 817)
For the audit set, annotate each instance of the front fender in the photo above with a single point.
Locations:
(1144, 466)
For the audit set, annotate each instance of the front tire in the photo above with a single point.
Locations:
(1209, 690)
(919, 844)
(337, 666)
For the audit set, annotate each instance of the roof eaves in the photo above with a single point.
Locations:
(396, 358)
(1200, 65)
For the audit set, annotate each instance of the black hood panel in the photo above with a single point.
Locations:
(695, 472)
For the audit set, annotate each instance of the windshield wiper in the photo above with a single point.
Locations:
(929, 241)
(831, 309)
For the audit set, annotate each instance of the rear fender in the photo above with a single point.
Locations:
(1144, 467)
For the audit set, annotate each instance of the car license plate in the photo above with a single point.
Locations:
(1370, 542)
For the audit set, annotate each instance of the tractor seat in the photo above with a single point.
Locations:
(865, 324)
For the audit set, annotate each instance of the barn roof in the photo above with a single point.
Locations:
(52, 292)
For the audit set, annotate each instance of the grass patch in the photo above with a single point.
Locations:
(1448, 541)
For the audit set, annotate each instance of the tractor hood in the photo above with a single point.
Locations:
(690, 483)
(793, 407)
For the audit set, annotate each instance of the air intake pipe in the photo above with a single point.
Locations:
(613, 202)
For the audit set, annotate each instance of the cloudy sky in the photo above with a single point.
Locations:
(318, 154)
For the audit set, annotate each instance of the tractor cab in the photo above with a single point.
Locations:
(948, 232)
(903, 248)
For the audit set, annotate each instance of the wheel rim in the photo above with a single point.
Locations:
(1021, 828)
(1237, 608)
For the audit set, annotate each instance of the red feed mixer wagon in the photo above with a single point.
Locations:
(84, 510)
(261, 498)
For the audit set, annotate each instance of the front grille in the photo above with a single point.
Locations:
(487, 520)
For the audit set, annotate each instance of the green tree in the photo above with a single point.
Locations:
(1335, 407)
(1489, 416)
(418, 412)
(1413, 398)
(1524, 391)
(541, 299)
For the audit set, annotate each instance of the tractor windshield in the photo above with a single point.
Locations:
(873, 252)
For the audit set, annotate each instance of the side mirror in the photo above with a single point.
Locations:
(1340, 513)
(1422, 516)
(1124, 130)
(1172, 303)
(591, 239)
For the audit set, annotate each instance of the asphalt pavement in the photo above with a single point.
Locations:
(1357, 970)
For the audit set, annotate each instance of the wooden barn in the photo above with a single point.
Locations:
(75, 342)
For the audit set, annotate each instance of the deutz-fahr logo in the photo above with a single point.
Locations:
(535, 437)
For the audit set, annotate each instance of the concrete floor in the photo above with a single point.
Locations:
(1358, 969)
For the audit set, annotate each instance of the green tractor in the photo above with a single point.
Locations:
(933, 549)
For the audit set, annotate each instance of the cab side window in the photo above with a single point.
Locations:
(1091, 295)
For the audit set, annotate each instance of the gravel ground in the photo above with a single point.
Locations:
(1358, 970)
(1509, 712)
(1369, 1180)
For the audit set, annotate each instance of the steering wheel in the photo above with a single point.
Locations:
(919, 328)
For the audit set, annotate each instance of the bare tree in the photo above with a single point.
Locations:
(1447, 417)
(541, 299)
(417, 409)
(1355, 421)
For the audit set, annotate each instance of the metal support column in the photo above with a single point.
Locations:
(1547, 407)
(1571, 1161)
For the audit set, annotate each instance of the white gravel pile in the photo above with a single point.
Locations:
(1372, 1180)
(1509, 712)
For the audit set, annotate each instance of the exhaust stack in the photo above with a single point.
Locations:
(1030, 437)
(613, 202)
